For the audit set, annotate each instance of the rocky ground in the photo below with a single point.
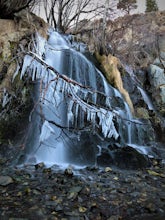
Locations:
(36, 192)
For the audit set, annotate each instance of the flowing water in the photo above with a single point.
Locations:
(76, 112)
(146, 98)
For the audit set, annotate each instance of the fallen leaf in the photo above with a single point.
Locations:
(153, 173)
(19, 194)
(116, 178)
(108, 169)
(82, 209)
(72, 195)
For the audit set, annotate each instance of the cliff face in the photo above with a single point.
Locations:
(138, 41)
(133, 38)
(15, 40)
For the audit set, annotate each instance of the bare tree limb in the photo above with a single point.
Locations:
(75, 83)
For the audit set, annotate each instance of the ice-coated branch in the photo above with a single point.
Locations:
(64, 77)
(77, 104)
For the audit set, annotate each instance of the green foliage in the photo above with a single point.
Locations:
(151, 5)
(127, 5)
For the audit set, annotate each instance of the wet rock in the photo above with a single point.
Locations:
(5, 180)
(76, 189)
(115, 217)
(40, 166)
(38, 211)
(123, 157)
(18, 218)
(129, 158)
(151, 207)
(68, 172)
(47, 170)
(142, 113)
(58, 208)
(157, 81)
(105, 159)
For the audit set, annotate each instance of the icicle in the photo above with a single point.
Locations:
(26, 64)
(85, 92)
(70, 114)
(93, 117)
(106, 123)
(46, 131)
(82, 118)
(59, 85)
(41, 43)
(5, 98)
(93, 120)
(67, 88)
(88, 114)
(40, 71)
(57, 98)
(16, 72)
(34, 73)
(76, 115)
(63, 87)
(75, 88)
(107, 102)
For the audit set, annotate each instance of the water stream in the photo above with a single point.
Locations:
(146, 99)
(76, 112)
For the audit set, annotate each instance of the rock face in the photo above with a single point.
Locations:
(138, 41)
(157, 81)
(15, 38)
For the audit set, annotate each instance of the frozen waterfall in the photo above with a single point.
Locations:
(76, 112)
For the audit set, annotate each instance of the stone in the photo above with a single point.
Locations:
(129, 158)
(68, 172)
(5, 180)
(142, 113)
(105, 159)
(157, 82)
(156, 75)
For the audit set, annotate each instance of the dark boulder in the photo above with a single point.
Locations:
(123, 157)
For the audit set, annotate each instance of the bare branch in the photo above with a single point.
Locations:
(77, 99)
